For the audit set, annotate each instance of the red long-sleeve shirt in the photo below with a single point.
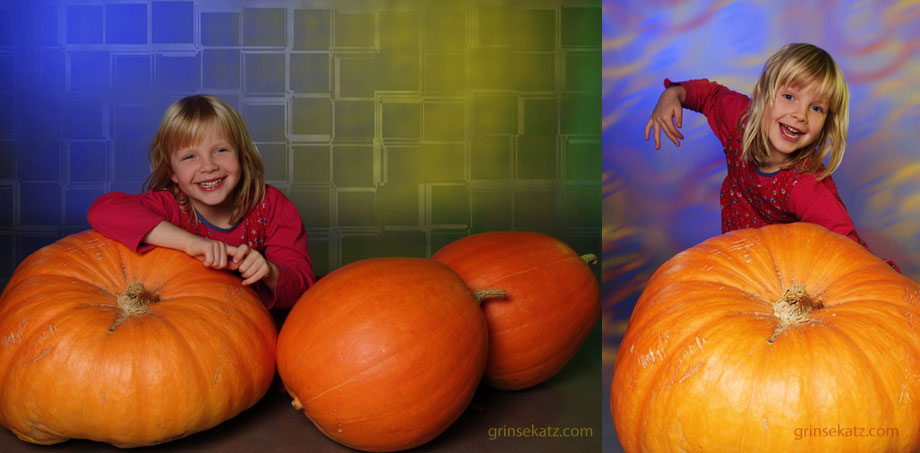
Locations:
(750, 198)
(274, 229)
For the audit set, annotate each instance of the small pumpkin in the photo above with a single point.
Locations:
(552, 302)
(784, 338)
(99, 342)
(384, 354)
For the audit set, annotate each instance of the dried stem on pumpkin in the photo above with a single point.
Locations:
(792, 308)
(133, 302)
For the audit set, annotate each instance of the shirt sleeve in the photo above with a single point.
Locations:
(722, 107)
(128, 218)
(286, 247)
(817, 202)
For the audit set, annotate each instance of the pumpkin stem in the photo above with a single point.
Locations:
(481, 294)
(589, 258)
(792, 308)
(133, 302)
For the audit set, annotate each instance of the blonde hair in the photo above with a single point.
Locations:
(800, 65)
(185, 123)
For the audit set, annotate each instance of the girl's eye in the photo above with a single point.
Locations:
(817, 108)
(787, 96)
(186, 157)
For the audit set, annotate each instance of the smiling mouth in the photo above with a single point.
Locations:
(210, 184)
(790, 132)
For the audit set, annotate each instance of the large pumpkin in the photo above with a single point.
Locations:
(102, 343)
(553, 301)
(783, 338)
(384, 354)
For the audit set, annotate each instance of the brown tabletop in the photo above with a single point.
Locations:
(571, 399)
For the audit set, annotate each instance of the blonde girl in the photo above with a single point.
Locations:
(207, 196)
(776, 142)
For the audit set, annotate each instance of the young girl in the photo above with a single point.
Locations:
(207, 197)
(774, 143)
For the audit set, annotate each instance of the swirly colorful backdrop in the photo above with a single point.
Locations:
(659, 202)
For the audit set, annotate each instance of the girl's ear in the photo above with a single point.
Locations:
(172, 177)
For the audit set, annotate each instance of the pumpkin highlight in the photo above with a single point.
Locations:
(553, 302)
(102, 343)
(384, 354)
(783, 338)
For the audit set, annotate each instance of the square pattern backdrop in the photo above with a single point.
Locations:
(394, 126)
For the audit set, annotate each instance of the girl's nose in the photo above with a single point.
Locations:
(208, 164)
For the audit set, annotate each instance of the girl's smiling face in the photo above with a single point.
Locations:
(208, 172)
(796, 120)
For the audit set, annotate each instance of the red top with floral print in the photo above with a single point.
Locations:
(751, 199)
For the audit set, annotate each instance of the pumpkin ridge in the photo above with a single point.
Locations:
(756, 302)
(878, 381)
(483, 242)
(648, 391)
(107, 249)
(180, 340)
(497, 282)
(352, 378)
(711, 252)
(853, 346)
(27, 335)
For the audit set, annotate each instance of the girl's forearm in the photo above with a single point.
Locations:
(167, 235)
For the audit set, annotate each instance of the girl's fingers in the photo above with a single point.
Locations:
(223, 257)
(670, 129)
(249, 264)
(672, 134)
(239, 253)
(648, 127)
(209, 256)
(676, 124)
(220, 255)
(258, 274)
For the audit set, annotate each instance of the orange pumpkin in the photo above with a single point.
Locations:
(102, 343)
(553, 301)
(384, 354)
(783, 338)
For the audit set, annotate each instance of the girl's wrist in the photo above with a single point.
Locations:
(678, 91)
(271, 280)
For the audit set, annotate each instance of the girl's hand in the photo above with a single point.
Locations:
(211, 253)
(252, 266)
(667, 116)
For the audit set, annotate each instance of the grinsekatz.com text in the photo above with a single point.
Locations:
(843, 431)
(538, 431)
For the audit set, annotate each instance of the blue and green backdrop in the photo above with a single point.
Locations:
(394, 126)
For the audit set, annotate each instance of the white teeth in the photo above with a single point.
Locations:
(208, 185)
(790, 131)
